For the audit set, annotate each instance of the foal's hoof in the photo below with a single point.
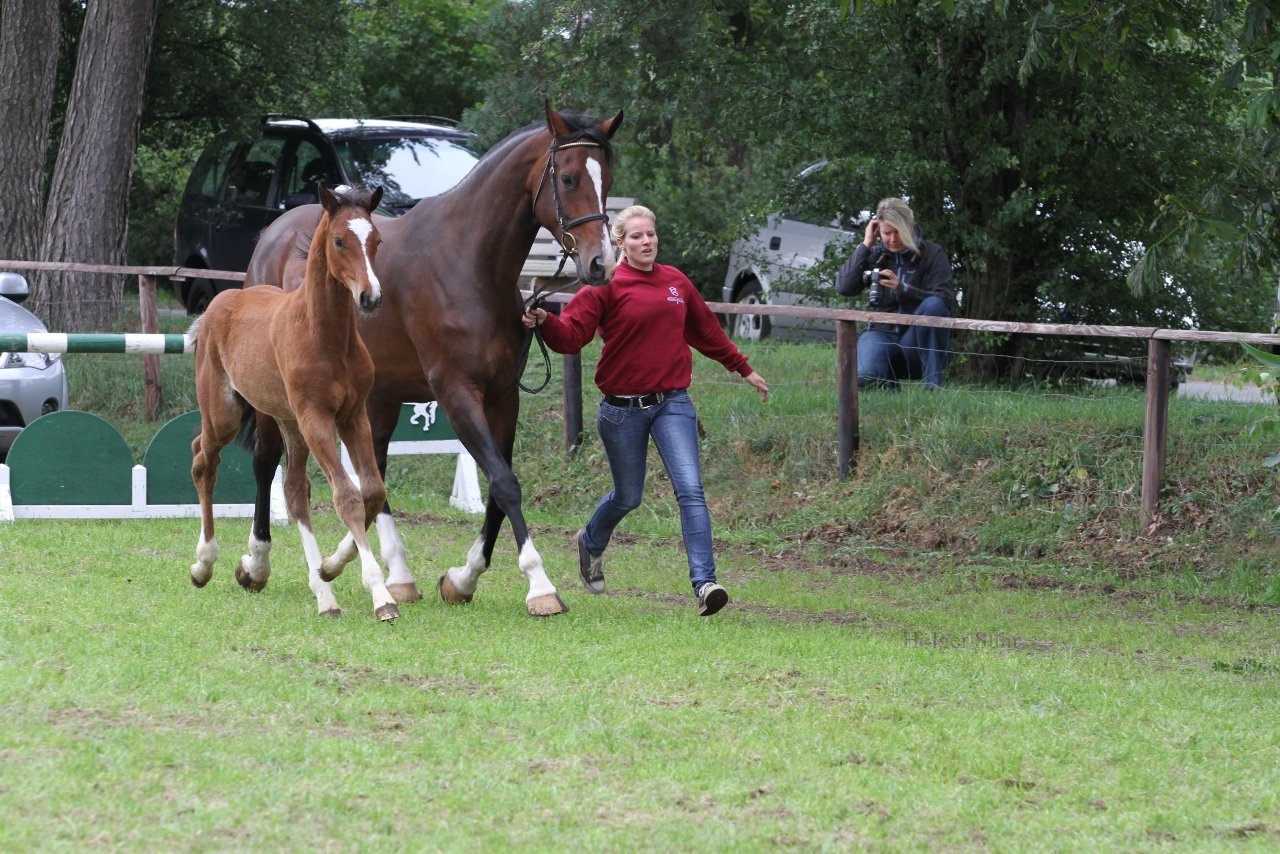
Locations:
(547, 605)
(200, 580)
(327, 574)
(332, 613)
(450, 594)
(387, 613)
(246, 580)
(406, 592)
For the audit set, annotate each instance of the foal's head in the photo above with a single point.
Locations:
(351, 241)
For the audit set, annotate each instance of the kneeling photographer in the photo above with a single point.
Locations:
(904, 275)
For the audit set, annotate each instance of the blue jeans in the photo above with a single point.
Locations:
(625, 433)
(920, 352)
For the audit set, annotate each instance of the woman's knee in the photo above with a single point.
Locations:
(934, 307)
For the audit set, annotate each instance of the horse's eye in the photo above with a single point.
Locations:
(567, 180)
(337, 242)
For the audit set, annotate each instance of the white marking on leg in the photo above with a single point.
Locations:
(464, 577)
(206, 554)
(393, 554)
(371, 575)
(362, 228)
(322, 589)
(342, 555)
(531, 566)
(257, 563)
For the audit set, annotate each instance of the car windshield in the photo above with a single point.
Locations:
(407, 169)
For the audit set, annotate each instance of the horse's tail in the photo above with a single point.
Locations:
(248, 435)
(193, 332)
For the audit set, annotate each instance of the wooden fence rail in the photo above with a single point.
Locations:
(1159, 350)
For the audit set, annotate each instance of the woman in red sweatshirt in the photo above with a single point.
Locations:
(649, 315)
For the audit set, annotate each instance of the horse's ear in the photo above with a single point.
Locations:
(611, 127)
(375, 198)
(327, 198)
(558, 126)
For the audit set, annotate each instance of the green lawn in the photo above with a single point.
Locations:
(967, 646)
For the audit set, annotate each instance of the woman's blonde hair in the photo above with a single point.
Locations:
(895, 213)
(626, 215)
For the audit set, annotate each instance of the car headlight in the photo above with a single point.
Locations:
(39, 361)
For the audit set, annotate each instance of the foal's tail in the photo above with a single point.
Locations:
(193, 332)
(248, 435)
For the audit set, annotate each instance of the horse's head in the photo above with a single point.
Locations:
(352, 241)
(572, 189)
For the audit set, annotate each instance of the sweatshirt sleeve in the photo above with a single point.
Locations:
(934, 278)
(703, 332)
(849, 278)
(576, 325)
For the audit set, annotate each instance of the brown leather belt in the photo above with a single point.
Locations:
(639, 401)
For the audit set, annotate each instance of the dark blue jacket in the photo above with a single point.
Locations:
(924, 274)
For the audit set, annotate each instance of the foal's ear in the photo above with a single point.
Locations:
(611, 127)
(375, 198)
(557, 125)
(327, 198)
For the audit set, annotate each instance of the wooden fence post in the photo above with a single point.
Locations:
(1155, 433)
(150, 363)
(572, 368)
(847, 394)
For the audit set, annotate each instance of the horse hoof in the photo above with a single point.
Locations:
(197, 581)
(387, 613)
(327, 576)
(332, 613)
(547, 605)
(407, 592)
(246, 580)
(449, 593)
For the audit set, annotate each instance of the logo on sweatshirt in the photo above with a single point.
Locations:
(675, 295)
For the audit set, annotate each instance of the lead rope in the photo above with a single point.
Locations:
(536, 300)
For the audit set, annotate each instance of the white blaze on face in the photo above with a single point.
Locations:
(597, 180)
(362, 228)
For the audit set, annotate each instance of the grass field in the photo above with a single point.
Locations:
(967, 646)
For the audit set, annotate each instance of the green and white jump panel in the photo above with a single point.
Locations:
(74, 465)
(423, 429)
(94, 342)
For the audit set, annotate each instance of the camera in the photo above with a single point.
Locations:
(875, 292)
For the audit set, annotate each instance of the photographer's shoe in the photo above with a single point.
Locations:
(711, 598)
(590, 567)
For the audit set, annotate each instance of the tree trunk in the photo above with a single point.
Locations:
(29, 35)
(86, 217)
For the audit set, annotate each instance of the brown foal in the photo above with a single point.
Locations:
(298, 358)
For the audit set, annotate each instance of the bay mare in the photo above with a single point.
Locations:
(451, 330)
(297, 357)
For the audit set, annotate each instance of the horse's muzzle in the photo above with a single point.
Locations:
(368, 303)
(596, 273)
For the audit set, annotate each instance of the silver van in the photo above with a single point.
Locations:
(773, 266)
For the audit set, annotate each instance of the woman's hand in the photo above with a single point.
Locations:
(890, 280)
(535, 317)
(761, 386)
(873, 231)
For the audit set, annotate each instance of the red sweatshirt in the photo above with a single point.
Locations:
(648, 319)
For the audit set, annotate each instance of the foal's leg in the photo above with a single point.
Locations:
(297, 494)
(355, 513)
(217, 428)
(400, 582)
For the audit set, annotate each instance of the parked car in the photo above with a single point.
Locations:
(31, 384)
(240, 186)
(772, 266)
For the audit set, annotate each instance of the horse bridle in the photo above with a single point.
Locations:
(568, 249)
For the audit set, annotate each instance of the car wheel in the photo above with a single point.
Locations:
(750, 327)
(199, 294)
